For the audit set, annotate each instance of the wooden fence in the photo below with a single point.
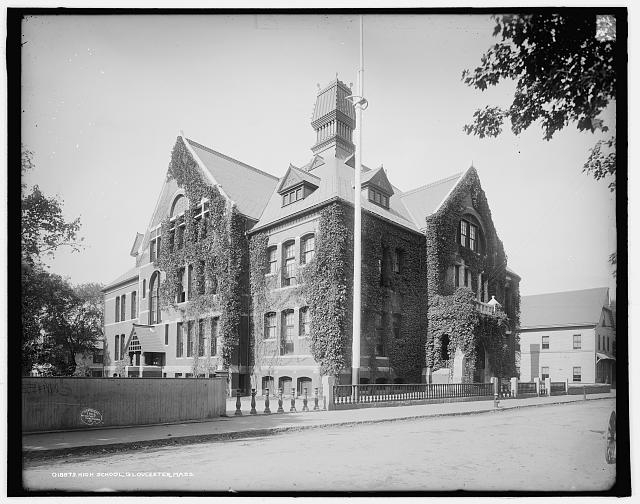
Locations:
(63, 403)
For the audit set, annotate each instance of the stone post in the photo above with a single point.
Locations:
(327, 391)
(514, 387)
(566, 385)
(496, 384)
(536, 380)
(547, 385)
(141, 364)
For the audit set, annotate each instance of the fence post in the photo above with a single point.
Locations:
(496, 385)
(315, 405)
(536, 380)
(514, 387)
(280, 409)
(293, 400)
(267, 410)
(547, 385)
(566, 386)
(238, 412)
(327, 391)
(253, 402)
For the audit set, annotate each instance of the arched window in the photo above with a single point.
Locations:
(307, 248)
(154, 299)
(304, 382)
(444, 348)
(284, 384)
(289, 263)
(267, 383)
(178, 206)
(144, 288)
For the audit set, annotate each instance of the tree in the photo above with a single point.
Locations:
(44, 229)
(59, 321)
(564, 69)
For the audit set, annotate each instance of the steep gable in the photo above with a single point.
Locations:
(378, 179)
(294, 177)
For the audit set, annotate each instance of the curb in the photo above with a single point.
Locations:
(32, 455)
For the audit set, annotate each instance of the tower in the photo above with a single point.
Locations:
(334, 120)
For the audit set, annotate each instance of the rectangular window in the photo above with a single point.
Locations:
(397, 260)
(599, 341)
(456, 275)
(397, 320)
(117, 308)
(121, 346)
(472, 237)
(607, 343)
(134, 305)
(545, 342)
(201, 338)
(273, 259)
(289, 277)
(577, 374)
(152, 250)
(544, 372)
(577, 341)
(181, 292)
(179, 339)
(287, 332)
(305, 326)
(463, 233)
(166, 334)
(177, 375)
(214, 336)
(190, 282)
(467, 277)
(123, 307)
(308, 249)
(116, 349)
(190, 338)
(97, 357)
(270, 326)
(379, 343)
(158, 246)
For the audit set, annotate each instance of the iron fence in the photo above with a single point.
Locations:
(526, 388)
(371, 393)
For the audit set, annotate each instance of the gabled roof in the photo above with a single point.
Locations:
(295, 176)
(336, 179)
(131, 274)
(425, 200)
(245, 185)
(562, 309)
(149, 339)
(136, 244)
(377, 178)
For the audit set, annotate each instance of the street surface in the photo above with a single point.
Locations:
(543, 448)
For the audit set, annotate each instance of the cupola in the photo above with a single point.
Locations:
(334, 119)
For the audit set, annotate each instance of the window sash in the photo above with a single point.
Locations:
(270, 326)
(577, 341)
(213, 346)
(179, 340)
(545, 342)
(201, 338)
(577, 374)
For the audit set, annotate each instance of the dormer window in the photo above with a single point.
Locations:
(293, 195)
(378, 198)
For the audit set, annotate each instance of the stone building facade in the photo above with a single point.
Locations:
(242, 271)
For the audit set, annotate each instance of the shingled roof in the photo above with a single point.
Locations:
(562, 309)
(335, 181)
(247, 186)
(131, 274)
(425, 200)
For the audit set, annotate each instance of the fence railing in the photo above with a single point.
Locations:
(371, 393)
(558, 387)
(526, 388)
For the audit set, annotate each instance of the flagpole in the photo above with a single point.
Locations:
(357, 225)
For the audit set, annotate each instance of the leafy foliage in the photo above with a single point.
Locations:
(564, 69)
(59, 321)
(327, 288)
(44, 229)
(219, 241)
(451, 310)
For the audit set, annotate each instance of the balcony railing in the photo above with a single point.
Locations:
(486, 308)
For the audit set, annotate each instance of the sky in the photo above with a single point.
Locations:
(104, 98)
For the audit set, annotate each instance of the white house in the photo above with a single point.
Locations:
(568, 336)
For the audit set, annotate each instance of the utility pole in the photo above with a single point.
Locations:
(360, 104)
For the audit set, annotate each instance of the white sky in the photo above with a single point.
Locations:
(104, 98)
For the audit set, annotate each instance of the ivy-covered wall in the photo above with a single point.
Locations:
(217, 248)
(452, 311)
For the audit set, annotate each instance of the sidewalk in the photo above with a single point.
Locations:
(53, 444)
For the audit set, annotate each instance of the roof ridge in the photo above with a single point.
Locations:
(566, 291)
(229, 158)
(304, 172)
(431, 184)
